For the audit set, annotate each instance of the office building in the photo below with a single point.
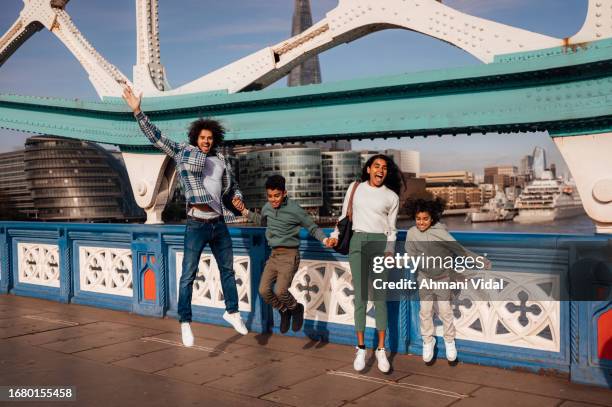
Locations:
(301, 168)
(449, 177)
(340, 168)
(15, 199)
(407, 160)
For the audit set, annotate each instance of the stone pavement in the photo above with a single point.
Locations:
(120, 359)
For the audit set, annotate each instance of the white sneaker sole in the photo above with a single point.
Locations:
(238, 329)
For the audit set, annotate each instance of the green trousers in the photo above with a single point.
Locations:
(361, 303)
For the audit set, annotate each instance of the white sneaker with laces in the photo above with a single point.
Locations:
(451, 351)
(186, 334)
(359, 363)
(428, 350)
(383, 363)
(236, 321)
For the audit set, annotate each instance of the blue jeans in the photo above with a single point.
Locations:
(197, 236)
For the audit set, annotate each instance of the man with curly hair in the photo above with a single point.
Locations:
(209, 185)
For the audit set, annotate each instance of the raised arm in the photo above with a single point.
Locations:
(154, 134)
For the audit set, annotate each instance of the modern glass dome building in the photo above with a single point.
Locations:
(75, 180)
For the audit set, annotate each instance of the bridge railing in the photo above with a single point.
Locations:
(136, 268)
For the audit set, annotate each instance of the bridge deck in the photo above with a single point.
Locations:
(116, 358)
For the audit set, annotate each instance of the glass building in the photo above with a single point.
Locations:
(301, 168)
(76, 180)
(340, 168)
(15, 200)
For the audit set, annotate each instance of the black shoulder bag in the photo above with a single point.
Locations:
(345, 226)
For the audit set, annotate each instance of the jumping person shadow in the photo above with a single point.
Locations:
(220, 348)
(262, 338)
(317, 332)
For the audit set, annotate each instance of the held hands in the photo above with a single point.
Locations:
(330, 242)
(131, 99)
(239, 205)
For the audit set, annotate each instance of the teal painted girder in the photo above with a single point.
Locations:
(562, 90)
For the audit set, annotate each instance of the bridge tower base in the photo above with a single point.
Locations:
(152, 177)
(588, 158)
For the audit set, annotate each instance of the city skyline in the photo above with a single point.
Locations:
(225, 32)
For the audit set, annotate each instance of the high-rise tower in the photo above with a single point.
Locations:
(309, 71)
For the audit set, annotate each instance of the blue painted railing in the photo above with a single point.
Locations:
(92, 264)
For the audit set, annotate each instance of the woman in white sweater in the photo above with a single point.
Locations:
(375, 206)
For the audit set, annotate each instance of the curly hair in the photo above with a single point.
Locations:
(434, 207)
(214, 126)
(275, 181)
(393, 180)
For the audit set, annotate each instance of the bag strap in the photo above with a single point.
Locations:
(349, 211)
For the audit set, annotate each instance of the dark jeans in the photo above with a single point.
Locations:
(197, 236)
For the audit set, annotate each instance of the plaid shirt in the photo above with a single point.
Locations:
(190, 167)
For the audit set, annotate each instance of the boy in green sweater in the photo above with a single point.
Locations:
(283, 219)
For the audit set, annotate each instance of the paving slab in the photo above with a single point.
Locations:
(261, 355)
(272, 376)
(446, 384)
(577, 404)
(25, 327)
(549, 386)
(324, 390)
(391, 396)
(164, 359)
(209, 368)
(120, 351)
(487, 396)
(99, 339)
(105, 385)
(212, 345)
(57, 334)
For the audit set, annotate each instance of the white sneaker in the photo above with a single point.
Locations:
(383, 363)
(235, 321)
(428, 350)
(359, 363)
(186, 334)
(451, 351)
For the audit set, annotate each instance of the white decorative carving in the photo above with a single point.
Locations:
(325, 288)
(38, 264)
(521, 323)
(106, 270)
(207, 289)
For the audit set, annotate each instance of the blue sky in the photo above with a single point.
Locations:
(198, 36)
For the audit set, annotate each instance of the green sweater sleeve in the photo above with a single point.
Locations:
(308, 223)
(257, 218)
